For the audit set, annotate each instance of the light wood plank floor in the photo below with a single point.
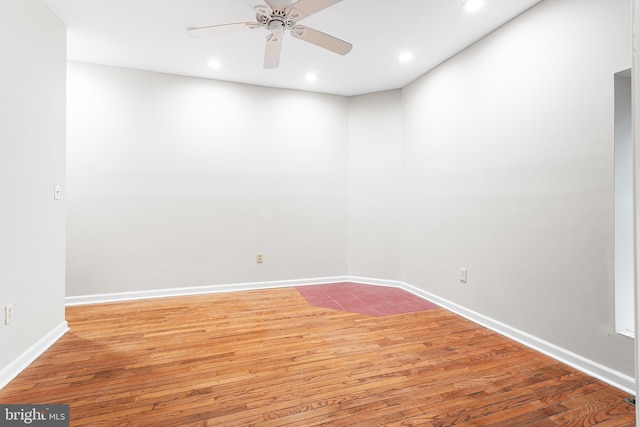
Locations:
(268, 358)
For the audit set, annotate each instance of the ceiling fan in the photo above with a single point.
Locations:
(277, 16)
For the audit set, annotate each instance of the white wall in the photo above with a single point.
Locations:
(32, 161)
(508, 171)
(375, 175)
(177, 181)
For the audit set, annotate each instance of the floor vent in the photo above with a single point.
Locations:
(630, 400)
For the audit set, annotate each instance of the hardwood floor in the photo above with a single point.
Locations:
(268, 358)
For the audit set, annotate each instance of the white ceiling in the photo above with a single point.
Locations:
(152, 35)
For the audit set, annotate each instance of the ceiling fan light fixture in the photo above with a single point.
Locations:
(473, 5)
(276, 27)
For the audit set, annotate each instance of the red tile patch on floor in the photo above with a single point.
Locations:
(364, 299)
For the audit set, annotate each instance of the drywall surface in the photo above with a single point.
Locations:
(508, 172)
(375, 176)
(177, 181)
(32, 161)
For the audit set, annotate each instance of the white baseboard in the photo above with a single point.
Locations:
(617, 379)
(197, 290)
(377, 282)
(589, 367)
(608, 375)
(14, 368)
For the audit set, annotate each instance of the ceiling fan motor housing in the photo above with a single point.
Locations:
(278, 20)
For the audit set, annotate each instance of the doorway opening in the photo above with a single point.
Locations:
(624, 217)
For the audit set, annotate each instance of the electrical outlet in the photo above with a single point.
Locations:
(8, 314)
(463, 275)
(259, 258)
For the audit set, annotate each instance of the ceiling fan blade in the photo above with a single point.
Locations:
(279, 4)
(214, 30)
(262, 7)
(321, 39)
(309, 7)
(272, 51)
(256, 3)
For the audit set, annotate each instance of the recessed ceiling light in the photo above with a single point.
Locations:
(405, 57)
(473, 5)
(214, 64)
(311, 77)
